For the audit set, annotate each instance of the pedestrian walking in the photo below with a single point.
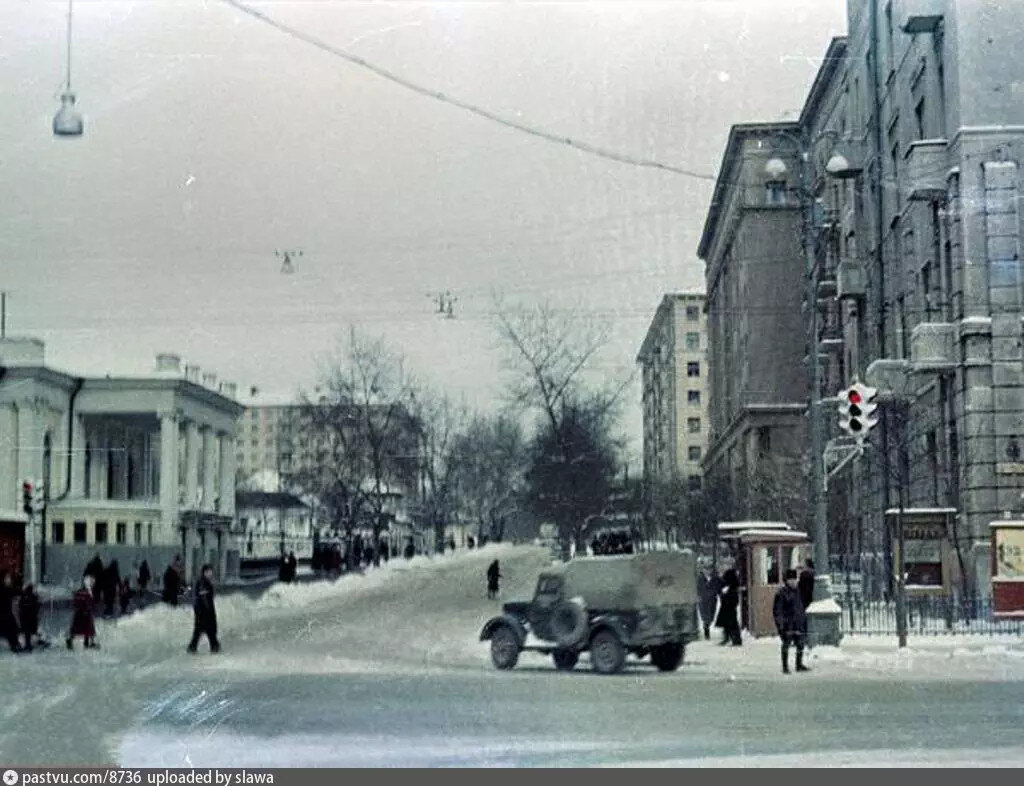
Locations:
(205, 612)
(144, 578)
(805, 583)
(172, 585)
(493, 577)
(708, 586)
(83, 623)
(728, 607)
(790, 620)
(8, 624)
(293, 566)
(282, 569)
(28, 615)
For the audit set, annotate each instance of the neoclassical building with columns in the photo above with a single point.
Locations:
(134, 468)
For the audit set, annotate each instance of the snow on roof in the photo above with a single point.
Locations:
(732, 526)
(1006, 524)
(919, 511)
(773, 534)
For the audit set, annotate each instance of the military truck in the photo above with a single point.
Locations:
(643, 604)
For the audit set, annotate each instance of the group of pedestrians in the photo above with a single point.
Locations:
(19, 628)
(719, 606)
(109, 587)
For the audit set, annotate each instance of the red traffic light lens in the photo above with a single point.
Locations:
(853, 397)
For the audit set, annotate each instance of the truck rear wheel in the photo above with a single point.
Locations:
(607, 655)
(565, 660)
(504, 648)
(667, 657)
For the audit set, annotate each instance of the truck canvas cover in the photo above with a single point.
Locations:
(631, 581)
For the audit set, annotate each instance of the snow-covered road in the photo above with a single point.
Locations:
(385, 669)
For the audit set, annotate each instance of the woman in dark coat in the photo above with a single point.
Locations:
(144, 577)
(728, 610)
(8, 624)
(493, 575)
(82, 622)
(28, 614)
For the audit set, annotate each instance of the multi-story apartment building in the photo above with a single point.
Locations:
(675, 395)
(913, 134)
(756, 339)
(135, 468)
(268, 440)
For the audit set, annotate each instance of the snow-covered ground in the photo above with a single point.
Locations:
(342, 672)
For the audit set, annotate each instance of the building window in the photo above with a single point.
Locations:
(692, 313)
(101, 532)
(693, 482)
(920, 119)
(80, 536)
(693, 425)
(121, 532)
(138, 533)
(692, 396)
(693, 341)
(58, 532)
(775, 192)
(693, 453)
(693, 369)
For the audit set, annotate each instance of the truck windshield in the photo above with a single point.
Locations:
(548, 585)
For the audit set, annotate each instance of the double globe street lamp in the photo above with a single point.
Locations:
(68, 121)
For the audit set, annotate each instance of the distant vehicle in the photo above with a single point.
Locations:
(644, 604)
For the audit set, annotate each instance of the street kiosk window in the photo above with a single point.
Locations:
(923, 563)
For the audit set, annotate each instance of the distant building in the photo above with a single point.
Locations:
(673, 363)
(136, 468)
(268, 439)
(268, 525)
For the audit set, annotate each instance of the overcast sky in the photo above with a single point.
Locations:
(213, 139)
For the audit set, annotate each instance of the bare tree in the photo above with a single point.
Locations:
(548, 356)
(490, 461)
(360, 436)
(437, 419)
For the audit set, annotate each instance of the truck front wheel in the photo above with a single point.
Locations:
(504, 648)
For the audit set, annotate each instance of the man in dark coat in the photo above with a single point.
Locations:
(729, 606)
(708, 585)
(790, 621)
(8, 624)
(172, 585)
(111, 583)
(95, 569)
(293, 566)
(805, 584)
(282, 569)
(205, 612)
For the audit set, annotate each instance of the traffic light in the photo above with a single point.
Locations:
(27, 496)
(857, 410)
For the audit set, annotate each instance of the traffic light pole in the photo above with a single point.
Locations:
(819, 500)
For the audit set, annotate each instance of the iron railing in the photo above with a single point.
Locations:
(928, 616)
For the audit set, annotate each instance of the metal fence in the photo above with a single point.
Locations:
(928, 616)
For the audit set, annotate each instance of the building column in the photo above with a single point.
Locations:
(169, 471)
(209, 475)
(227, 475)
(192, 447)
(77, 457)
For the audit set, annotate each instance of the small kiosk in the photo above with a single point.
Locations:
(1007, 569)
(763, 551)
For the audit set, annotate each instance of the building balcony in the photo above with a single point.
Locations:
(851, 281)
(933, 347)
(926, 170)
(827, 285)
(919, 16)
